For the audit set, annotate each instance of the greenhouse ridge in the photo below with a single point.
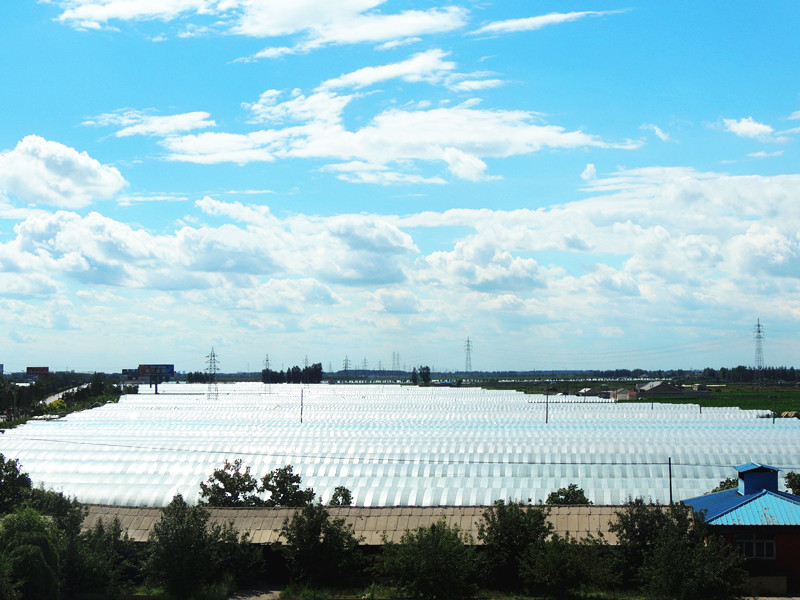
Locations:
(396, 445)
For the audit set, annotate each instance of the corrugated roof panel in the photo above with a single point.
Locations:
(767, 508)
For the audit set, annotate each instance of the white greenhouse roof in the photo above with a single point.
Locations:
(396, 445)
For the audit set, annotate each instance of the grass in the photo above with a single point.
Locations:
(786, 397)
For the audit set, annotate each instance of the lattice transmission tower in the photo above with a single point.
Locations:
(758, 336)
(212, 368)
(468, 352)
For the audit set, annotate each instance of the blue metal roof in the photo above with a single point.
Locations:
(754, 466)
(763, 508)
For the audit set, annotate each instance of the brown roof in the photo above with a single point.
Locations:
(371, 523)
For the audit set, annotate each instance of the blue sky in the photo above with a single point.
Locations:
(570, 184)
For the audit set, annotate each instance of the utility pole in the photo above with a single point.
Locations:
(212, 368)
(758, 336)
(346, 366)
(468, 352)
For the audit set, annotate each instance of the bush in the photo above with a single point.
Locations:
(186, 554)
(230, 486)
(506, 532)
(319, 550)
(435, 562)
(569, 495)
(283, 487)
(793, 483)
(109, 560)
(552, 567)
(15, 486)
(31, 549)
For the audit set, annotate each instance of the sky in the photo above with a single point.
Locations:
(583, 185)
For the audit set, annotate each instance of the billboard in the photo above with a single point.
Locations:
(156, 370)
(37, 370)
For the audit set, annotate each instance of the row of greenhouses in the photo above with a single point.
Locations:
(397, 445)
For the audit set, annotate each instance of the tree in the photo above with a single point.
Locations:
(186, 553)
(108, 559)
(284, 488)
(341, 497)
(793, 483)
(552, 567)
(230, 486)
(687, 562)
(319, 550)
(414, 377)
(569, 495)
(729, 483)
(425, 375)
(31, 546)
(97, 385)
(15, 486)
(671, 554)
(436, 561)
(506, 531)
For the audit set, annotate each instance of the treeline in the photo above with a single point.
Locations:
(661, 552)
(310, 374)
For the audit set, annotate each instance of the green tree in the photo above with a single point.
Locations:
(31, 546)
(283, 487)
(341, 497)
(552, 567)
(97, 385)
(109, 559)
(687, 562)
(637, 526)
(793, 483)
(187, 553)
(569, 495)
(320, 550)
(507, 529)
(230, 486)
(414, 377)
(729, 483)
(435, 562)
(425, 375)
(15, 486)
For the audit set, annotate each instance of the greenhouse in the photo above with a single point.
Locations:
(396, 445)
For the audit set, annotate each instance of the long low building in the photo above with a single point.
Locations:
(264, 524)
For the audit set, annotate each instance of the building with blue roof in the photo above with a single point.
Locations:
(760, 520)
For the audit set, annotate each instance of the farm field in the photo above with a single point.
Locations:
(397, 445)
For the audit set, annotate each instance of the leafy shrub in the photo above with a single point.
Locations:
(570, 495)
(552, 567)
(320, 550)
(435, 562)
(506, 532)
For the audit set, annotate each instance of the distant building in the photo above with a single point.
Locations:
(763, 523)
(659, 387)
(623, 395)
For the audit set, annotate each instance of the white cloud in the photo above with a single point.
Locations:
(794, 116)
(474, 85)
(763, 154)
(393, 301)
(460, 136)
(589, 173)
(426, 66)
(135, 122)
(747, 127)
(38, 171)
(538, 22)
(664, 137)
(95, 14)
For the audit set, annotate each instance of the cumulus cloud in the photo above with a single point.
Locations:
(401, 302)
(538, 22)
(747, 127)
(38, 171)
(589, 173)
(664, 137)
